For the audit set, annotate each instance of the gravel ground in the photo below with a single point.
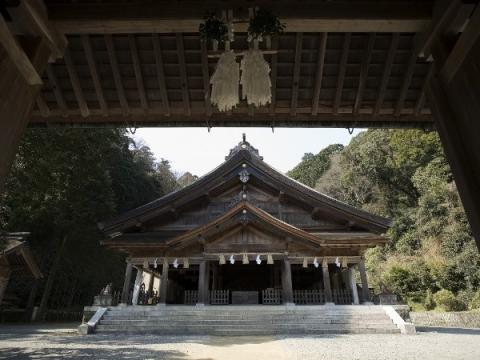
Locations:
(62, 342)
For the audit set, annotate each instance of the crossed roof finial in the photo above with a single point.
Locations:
(244, 137)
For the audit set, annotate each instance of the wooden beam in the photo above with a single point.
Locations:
(386, 72)
(364, 72)
(206, 78)
(419, 105)
(57, 90)
(183, 73)
(116, 74)
(77, 88)
(296, 73)
(341, 73)
(17, 55)
(407, 79)
(322, 49)
(462, 47)
(273, 74)
(160, 74)
(185, 16)
(138, 72)
(92, 66)
(42, 106)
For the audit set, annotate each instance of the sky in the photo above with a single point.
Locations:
(198, 151)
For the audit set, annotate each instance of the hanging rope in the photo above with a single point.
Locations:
(225, 82)
(255, 79)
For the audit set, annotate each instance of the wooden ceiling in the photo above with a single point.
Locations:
(142, 63)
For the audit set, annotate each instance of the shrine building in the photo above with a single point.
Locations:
(245, 234)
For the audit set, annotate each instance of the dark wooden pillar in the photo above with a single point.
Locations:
(164, 283)
(326, 282)
(287, 288)
(17, 99)
(363, 277)
(4, 277)
(203, 282)
(126, 283)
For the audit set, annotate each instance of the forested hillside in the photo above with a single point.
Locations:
(431, 259)
(62, 183)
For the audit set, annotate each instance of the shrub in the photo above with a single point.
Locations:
(475, 302)
(429, 303)
(447, 300)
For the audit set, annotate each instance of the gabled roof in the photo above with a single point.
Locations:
(245, 154)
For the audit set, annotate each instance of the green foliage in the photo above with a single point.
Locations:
(447, 300)
(312, 167)
(61, 184)
(429, 303)
(264, 23)
(213, 29)
(403, 174)
(475, 301)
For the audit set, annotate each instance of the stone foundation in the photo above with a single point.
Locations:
(464, 319)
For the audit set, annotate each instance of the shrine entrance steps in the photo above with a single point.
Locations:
(247, 320)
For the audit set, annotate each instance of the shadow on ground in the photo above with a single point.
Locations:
(449, 330)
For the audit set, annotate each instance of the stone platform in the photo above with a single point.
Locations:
(249, 320)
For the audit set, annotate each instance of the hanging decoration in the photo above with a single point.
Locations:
(305, 263)
(175, 263)
(145, 264)
(337, 262)
(245, 259)
(316, 263)
(155, 264)
(269, 259)
(264, 24)
(344, 262)
(232, 259)
(214, 29)
(224, 82)
(258, 260)
(255, 79)
(221, 259)
(186, 263)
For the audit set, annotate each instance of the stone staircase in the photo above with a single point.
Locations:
(247, 320)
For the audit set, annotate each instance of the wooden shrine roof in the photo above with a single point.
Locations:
(17, 255)
(244, 156)
(141, 63)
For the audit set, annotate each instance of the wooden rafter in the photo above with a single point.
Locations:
(364, 72)
(57, 91)
(206, 78)
(386, 72)
(341, 73)
(18, 55)
(319, 71)
(77, 88)
(407, 79)
(138, 72)
(92, 66)
(296, 73)
(421, 99)
(273, 72)
(160, 74)
(42, 106)
(116, 74)
(183, 73)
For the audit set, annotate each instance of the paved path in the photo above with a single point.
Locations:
(62, 342)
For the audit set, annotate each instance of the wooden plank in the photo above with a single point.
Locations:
(462, 47)
(57, 91)
(319, 73)
(341, 73)
(407, 79)
(42, 106)
(183, 73)
(206, 78)
(386, 72)
(296, 73)
(77, 88)
(185, 16)
(160, 74)
(273, 75)
(419, 105)
(87, 47)
(116, 74)
(138, 72)
(17, 55)
(364, 72)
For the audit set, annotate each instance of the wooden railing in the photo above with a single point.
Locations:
(219, 297)
(272, 296)
(190, 297)
(308, 297)
(342, 297)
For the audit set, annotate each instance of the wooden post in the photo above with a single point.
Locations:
(164, 283)
(126, 283)
(353, 286)
(4, 277)
(326, 282)
(17, 99)
(287, 288)
(363, 277)
(203, 282)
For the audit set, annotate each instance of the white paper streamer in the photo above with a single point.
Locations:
(255, 79)
(224, 82)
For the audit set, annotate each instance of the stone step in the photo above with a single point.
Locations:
(245, 316)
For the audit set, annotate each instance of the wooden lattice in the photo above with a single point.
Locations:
(191, 297)
(342, 296)
(219, 297)
(308, 297)
(271, 296)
